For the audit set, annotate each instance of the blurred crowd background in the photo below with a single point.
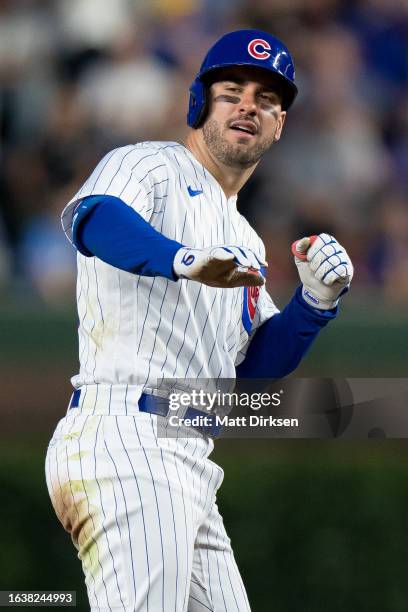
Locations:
(79, 77)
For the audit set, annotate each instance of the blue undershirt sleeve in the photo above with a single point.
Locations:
(280, 343)
(108, 228)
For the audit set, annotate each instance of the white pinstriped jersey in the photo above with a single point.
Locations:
(137, 330)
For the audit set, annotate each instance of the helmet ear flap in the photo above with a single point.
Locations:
(198, 104)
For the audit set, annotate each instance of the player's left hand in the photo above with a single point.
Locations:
(325, 270)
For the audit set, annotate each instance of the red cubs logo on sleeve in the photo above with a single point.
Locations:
(258, 48)
(251, 296)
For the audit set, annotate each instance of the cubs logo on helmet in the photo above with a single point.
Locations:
(258, 48)
(251, 296)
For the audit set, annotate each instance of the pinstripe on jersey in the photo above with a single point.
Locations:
(137, 330)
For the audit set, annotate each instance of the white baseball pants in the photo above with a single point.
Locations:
(142, 513)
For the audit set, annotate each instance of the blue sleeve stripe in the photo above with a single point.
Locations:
(82, 210)
(279, 344)
(111, 230)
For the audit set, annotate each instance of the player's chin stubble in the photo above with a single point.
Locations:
(235, 155)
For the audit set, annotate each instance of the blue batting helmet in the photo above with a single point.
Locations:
(243, 48)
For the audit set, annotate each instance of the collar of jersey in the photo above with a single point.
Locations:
(207, 176)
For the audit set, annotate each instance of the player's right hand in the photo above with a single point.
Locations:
(220, 266)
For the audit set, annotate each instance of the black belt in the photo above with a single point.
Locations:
(160, 406)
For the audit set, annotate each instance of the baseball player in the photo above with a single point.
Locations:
(171, 286)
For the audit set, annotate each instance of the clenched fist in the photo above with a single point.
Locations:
(325, 270)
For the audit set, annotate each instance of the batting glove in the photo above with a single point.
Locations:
(220, 266)
(324, 268)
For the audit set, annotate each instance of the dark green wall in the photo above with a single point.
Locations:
(363, 341)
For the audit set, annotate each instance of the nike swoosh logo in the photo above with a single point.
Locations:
(194, 192)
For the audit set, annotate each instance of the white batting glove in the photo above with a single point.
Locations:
(220, 266)
(325, 270)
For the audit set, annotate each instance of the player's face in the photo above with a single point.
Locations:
(245, 115)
